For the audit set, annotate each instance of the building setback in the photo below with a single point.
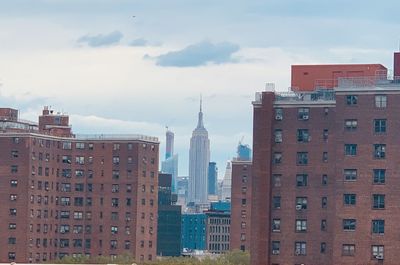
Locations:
(324, 173)
(75, 195)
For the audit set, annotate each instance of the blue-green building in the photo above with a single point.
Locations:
(194, 231)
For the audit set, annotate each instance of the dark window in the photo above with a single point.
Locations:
(379, 151)
(325, 156)
(324, 202)
(350, 149)
(349, 199)
(323, 247)
(380, 126)
(351, 100)
(349, 224)
(379, 176)
(325, 134)
(377, 252)
(276, 247)
(278, 114)
(277, 202)
(14, 169)
(277, 180)
(323, 225)
(302, 158)
(303, 114)
(378, 226)
(378, 201)
(324, 180)
(303, 136)
(301, 180)
(301, 203)
(277, 158)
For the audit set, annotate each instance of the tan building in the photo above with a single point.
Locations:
(64, 194)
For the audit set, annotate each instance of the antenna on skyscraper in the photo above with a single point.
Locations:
(201, 102)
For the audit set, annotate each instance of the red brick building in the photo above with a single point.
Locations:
(64, 194)
(325, 186)
(241, 205)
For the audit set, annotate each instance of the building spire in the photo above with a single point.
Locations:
(200, 121)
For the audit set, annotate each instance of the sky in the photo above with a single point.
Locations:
(130, 66)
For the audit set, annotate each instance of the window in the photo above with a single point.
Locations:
(66, 159)
(114, 202)
(13, 197)
(277, 180)
(276, 202)
(323, 225)
(378, 201)
(91, 146)
(379, 176)
(380, 101)
(323, 247)
(379, 151)
(303, 136)
(14, 169)
(14, 153)
(78, 229)
(276, 247)
(349, 199)
(350, 174)
(348, 249)
(67, 145)
(80, 160)
(325, 134)
(277, 158)
(301, 225)
(302, 158)
(115, 188)
(278, 114)
(378, 227)
(324, 180)
(278, 136)
(350, 125)
(325, 157)
(12, 240)
(114, 230)
(349, 224)
(276, 225)
(113, 244)
(350, 149)
(380, 126)
(300, 248)
(11, 255)
(116, 160)
(351, 100)
(115, 174)
(116, 147)
(303, 114)
(78, 215)
(324, 202)
(301, 180)
(301, 203)
(13, 183)
(377, 251)
(80, 145)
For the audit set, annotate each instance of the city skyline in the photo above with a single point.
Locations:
(84, 56)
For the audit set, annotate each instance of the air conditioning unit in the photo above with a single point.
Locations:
(278, 117)
(298, 207)
(380, 257)
(275, 252)
(305, 117)
(297, 252)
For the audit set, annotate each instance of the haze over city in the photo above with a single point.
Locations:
(137, 66)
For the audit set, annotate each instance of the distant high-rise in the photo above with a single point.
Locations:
(212, 178)
(199, 157)
(243, 152)
(227, 182)
(170, 165)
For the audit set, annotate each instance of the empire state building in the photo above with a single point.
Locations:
(199, 157)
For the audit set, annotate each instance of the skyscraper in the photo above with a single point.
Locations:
(199, 157)
(212, 178)
(170, 164)
(243, 152)
(227, 182)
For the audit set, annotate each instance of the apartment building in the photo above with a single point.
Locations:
(324, 172)
(65, 194)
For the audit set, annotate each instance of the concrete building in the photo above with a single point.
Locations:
(241, 205)
(199, 157)
(65, 194)
(212, 178)
(170, 164)
(169, 219)
(324, 170)
(227, 183)
(218, 231)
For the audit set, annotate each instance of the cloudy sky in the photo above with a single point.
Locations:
(129, 66)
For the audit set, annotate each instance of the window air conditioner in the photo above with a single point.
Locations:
(278, 117)
(305, 117)
(380, 256)
(298, 207)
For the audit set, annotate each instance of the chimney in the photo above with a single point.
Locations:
(396, 64)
